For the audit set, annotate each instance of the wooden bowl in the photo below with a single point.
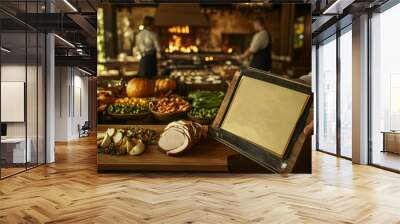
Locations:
(168, 117)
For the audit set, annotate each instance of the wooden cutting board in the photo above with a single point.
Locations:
(207, 156)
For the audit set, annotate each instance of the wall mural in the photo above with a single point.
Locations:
(168, 75)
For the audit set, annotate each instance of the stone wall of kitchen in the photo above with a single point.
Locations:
(238, 22)
(232, 22)
(221, 22)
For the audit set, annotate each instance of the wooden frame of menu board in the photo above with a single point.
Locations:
(262, 117)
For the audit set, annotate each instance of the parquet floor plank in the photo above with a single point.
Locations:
(71, 191)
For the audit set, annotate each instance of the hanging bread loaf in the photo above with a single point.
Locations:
(180, 136)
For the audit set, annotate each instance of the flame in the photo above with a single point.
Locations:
(179, 29)
(175, 44)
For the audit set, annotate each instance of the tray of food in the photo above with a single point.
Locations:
(170, 108)
(198, 77)
(226, 71)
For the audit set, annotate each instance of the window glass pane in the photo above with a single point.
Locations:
(23, 89)
(14, 153)
(385, 84)
(327, 96)
(346, 94)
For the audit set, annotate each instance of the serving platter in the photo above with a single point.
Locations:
(207, 156)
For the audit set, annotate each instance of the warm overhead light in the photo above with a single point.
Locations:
(5, 50)
(64, 40)
(84, 71)
(141, 27)
(70, 5)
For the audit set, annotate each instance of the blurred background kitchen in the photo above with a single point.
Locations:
(199, 44)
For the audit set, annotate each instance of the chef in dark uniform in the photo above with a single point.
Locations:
(260, 47)
(148, 46)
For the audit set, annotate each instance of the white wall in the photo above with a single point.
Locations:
(71, 102)
(80, 110)
(61, 103)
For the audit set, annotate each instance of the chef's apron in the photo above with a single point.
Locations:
(262, 59)
(148, 65)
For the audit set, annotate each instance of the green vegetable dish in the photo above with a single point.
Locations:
(204, 113)
(206, 99)
(205, 104)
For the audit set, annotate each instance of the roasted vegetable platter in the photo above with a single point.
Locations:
(176, 138)
(131, 141)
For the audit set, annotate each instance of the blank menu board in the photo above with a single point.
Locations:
(264, 113)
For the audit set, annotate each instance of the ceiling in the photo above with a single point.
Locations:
(16, 43)
(75, 20)
(329, 16)
(72, 20)
(57, 5)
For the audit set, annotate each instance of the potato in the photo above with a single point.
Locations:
(111, 132)
(106, 141)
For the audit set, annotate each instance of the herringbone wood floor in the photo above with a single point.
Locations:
(71, 191)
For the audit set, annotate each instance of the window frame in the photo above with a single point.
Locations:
(31, 30)
(336, 35)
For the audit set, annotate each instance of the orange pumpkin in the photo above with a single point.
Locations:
(139, 87)
(165, 85)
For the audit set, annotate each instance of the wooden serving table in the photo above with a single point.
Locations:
(206, 156)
